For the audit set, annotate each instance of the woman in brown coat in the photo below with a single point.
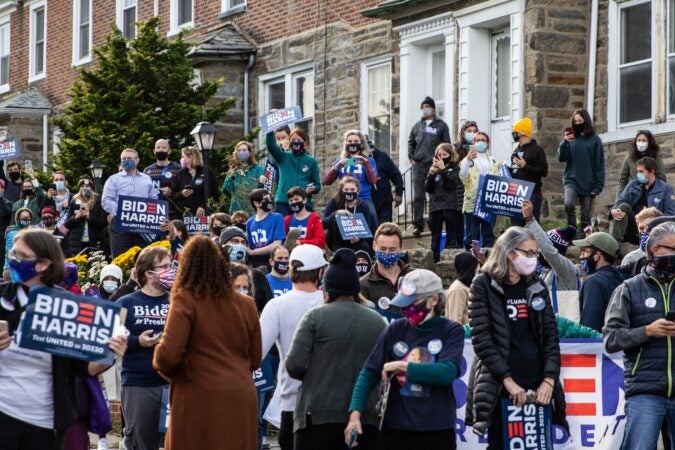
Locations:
(211, 345)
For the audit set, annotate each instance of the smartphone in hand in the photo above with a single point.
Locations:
(4, 326)
(352, 438)
(670, 316)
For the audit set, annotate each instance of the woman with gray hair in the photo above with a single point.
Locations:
(355, 160)
(514, 336)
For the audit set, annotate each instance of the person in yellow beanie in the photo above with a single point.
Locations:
(528, 163)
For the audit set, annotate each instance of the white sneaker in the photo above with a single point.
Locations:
(102, 444)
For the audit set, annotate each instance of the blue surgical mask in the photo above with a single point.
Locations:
(237, 253)
(387, 259)
(60, 185)
(22, 270)
(469, 137)
(641, 178)
(643, 241)
(244, 291)
(128, 165)
(243, 156)
(481, 147)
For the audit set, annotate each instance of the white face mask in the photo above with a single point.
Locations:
(642, 146)
(110, 286)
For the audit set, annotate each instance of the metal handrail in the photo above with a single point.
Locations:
(404, 212)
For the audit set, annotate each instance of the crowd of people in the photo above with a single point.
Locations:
(363, 347)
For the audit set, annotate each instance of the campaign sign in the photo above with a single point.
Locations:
(280, 118)
(354, 226)
(69, 325)
(196, 225)
(264, 376)
(9, 149)
(526, 427)
(140, 215)
(504, 196)
(271, 174)
(164, 412)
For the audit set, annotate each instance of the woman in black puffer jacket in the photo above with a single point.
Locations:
(514, 336)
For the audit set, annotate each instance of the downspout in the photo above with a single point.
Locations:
(592, 58)
(247, 71)
(45, 141)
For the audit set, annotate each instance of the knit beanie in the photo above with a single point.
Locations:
(111, 270)
(562, 237)
(524, 126)
(428, 101)
(230, 232)
(341, 277)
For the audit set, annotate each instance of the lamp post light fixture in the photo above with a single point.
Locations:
(96, 171)
(204, 135)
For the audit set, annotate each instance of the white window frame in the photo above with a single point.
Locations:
(660, 122)
(77, 60)
(227, 8)
(32, 76)
(5, 22)
(119, 16)
(374, 63)
(175, 27)
(288, 76)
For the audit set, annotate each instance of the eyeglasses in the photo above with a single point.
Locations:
(528, 253)
(21, 256)
(162, 267)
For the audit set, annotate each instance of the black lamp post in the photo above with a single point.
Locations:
(204, 134)
(96, 171)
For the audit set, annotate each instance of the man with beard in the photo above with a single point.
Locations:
(162, 172)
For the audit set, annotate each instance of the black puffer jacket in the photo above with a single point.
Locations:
(490, 339)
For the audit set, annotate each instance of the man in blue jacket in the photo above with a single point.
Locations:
(638, 324)
(643, 192)
(389, 173)
(598, 254)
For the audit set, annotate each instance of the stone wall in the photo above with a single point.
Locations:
(336, 51)
(556, 69)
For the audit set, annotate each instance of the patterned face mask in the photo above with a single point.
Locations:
(387, 259)
(167, 277)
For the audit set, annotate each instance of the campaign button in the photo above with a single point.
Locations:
(538, 304)
(199, 181)
(434, 346)
(383, 303)
(650, 302)
(400, 349)
(168, 175)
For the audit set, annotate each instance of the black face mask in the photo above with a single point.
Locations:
(296, 207)
(266, 205)
(241, 226)
(446, 161)
(28, 192)
(354, 148)
(297, 147)
(218, 230)
(281, 267)
(665, 265)
(578, 128)
(14, 175)
(162, 156)
(362, 268)
(515, 136)
(349, 196)
(48, 221)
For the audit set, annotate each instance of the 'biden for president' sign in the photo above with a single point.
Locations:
(140, 215)
(504, 196)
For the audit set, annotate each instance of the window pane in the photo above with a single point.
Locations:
(304, 94)
(379, 106)
(671, 27)
(4, 70)
(671, 86)
(438, 76)
(235, 3)
(129, 27)
(184, 11)
(276, 96)
(129, 3)
(84, 41)
(84, 11)
(636, 33)
(503, 81)
(39, 24)
(39, 58)
(4, 40)
(635, 93)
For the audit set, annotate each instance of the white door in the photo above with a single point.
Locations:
(500, 95)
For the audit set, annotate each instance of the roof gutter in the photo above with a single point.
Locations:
(247, 73)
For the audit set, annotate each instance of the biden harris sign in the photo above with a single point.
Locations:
(140, 215)
(69, 325)
(504, 196)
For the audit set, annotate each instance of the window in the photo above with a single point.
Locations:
(502, 72)
(181, 15)
(294, 87)
(376, 103)
(671, 58)
(126, 18)
(81, 31)
(38, 41)
(635, 63)
(4, 57)
(233, 5)
(438, 80)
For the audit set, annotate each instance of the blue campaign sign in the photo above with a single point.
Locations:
(264, 376)
(504, 196)
(354, 226)
(526, 427)
(280, 118)
(140, 215)
(164, 412)
(197, 225)
(9, 149)
(69, 325)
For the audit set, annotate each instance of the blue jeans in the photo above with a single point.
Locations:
(476, 229)
(644, 416)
